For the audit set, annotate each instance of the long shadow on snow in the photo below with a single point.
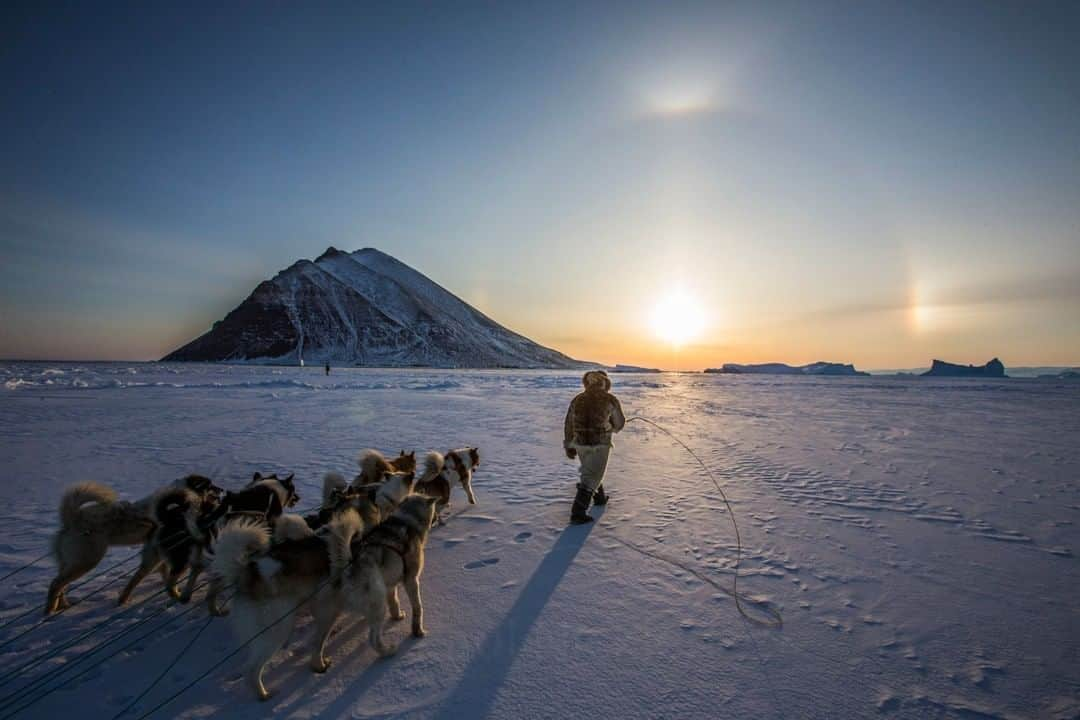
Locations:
(355, 689)
(481, 680)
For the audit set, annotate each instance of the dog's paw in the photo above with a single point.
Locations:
(418, 631)
(386, 651)
(399, 617)
(264, 695)
(320, 666)
(184, 599)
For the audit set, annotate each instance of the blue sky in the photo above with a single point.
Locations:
(876, 183)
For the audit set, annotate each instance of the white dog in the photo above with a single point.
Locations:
(367, 576)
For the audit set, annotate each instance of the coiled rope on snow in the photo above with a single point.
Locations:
(776, 619)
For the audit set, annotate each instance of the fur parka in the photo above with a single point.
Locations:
(594, 415)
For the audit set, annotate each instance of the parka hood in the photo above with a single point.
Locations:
(596, 379)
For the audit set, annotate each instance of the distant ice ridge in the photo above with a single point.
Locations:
(363, 308)
(251, 380)
(818, 368)
(40, 375)
(940, 368)
(633, 369)
(113, 376)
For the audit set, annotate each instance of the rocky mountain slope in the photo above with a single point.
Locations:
(363, 308)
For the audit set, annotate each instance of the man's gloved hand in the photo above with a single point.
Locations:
(571, 453)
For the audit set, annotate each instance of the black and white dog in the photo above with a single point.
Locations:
(264, 501)
(180, 540)
(265, 497)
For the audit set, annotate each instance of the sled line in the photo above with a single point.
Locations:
(101, 661)
(170, 666)
(18, 570)
(14, 673)
(777, 621)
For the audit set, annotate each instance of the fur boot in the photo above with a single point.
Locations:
(600, 497)
(578, 514)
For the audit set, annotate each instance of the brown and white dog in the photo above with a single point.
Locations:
(441, 471)
(373, 466)
(92, 520)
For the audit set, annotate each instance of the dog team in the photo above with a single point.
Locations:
(349, 556)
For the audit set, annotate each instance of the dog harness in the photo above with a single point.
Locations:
(264, 514)
(393, 534)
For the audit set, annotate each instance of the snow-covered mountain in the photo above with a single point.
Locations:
(363, 308)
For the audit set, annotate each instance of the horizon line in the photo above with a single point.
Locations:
(643, 369)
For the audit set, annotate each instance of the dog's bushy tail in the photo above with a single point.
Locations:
(345, 526)
(332, 481)
(235, 546)
(78, 495)
(434, 462)
(371, 460)
(372, 465)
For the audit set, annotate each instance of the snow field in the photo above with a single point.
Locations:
(918, 537)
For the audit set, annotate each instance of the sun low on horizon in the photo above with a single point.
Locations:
(677, 318)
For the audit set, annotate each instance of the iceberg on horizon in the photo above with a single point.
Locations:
(633, 369)
(940, 368)
(817, 368)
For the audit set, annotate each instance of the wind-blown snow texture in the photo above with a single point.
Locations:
(363, 308)
(918, 535)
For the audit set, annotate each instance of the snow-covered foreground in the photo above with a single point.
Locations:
(918, 536)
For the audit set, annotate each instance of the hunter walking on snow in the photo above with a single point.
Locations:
(593, 416)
